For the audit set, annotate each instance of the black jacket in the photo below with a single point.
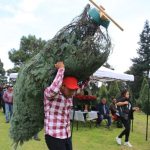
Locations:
(100, 109)
(127, 109)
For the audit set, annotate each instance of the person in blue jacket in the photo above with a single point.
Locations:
(103, 112)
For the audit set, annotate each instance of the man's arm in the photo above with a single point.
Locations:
(5, 97)
(122, 103)
(54, 88)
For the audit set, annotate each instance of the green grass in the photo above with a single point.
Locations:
(86, 138)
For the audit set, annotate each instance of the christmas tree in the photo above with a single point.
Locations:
(83, 48)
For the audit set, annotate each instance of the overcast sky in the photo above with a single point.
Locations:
(43, 18)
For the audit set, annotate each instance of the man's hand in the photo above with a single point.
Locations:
(122, 103)
(59, 65)
(126, 102)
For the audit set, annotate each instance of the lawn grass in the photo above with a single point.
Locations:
(86, 138)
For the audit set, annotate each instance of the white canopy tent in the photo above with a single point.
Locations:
(104, 74)
(12, 76)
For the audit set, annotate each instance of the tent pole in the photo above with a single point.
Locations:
(132, 124)
(73, 117)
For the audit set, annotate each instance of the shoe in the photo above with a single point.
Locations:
(118, 140)
(37, 139)
(128, 144)
(7, 121)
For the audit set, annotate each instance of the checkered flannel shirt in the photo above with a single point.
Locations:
(57, 109)
(8, 97)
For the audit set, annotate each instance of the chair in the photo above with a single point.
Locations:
(71, 115)
(79, 117)
(92, 116)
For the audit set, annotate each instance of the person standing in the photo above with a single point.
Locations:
(125, 111)
(57, 107)
(8, 99)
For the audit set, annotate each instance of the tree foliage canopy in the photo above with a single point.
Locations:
(29, 47)
(141, 64)
(2, 72)
(114, 89)
(83, 48)
(103, 92)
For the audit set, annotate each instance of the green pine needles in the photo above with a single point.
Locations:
(81, 45)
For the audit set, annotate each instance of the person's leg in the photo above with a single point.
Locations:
(69, 144)
(118, 139)
(0, 103)
(54, 143)
(36, 137)
(3, 105)
(7, 112)
(127, 133)
(108, 120)
(11, 109)
(125, 123)
(99, 119)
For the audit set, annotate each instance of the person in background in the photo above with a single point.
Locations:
(113, 109)
(1, 96)
(36, 137)
(125, 111)
(2, 92)
(8, 99)
(103, 112)
(57, 106)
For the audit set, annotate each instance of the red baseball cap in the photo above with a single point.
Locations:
(71, 83)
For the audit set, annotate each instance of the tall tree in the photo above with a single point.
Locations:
(29, 47)
(103, 92)
(144, 99)
(113, 89)
(2, 72)
(142, 92)
(141, 64)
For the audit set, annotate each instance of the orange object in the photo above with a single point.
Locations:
(71, 83)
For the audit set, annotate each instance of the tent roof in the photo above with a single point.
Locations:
(104, 74)
(13, 75)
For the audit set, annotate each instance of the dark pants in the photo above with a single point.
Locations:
(126, 131)
(0, 102)
(58, 144)
(101, 117)
(3, 105)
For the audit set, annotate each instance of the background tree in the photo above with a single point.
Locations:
(13, 70)
(2, 73)
(142, 92)
(102, 92)
(29, 47)
(141, 63)
(107, 65)
(113, 90)
(144, 99)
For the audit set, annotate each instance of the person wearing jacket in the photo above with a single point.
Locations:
(103, 112)
(125, 112)
(8, 99)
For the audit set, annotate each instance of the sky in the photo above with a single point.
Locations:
(44, 18)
